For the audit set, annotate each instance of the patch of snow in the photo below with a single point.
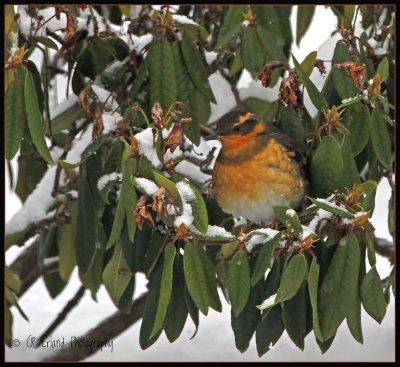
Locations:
(239, 222)
(110, 122)
(183, 19)
(103, 96)
(78, 147)
(213, 231)
(321, 215)
(270, 301)
(211, 56)
(36, 205)
(51, 260)
(137, 43)
(291, 213)
(146, 147)
(148, 186)
(351, 99)
(186, 216)
(185, 191)
(267, 234)
(72, 100)
(105, 179)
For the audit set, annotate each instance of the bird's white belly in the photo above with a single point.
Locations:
(261, 212)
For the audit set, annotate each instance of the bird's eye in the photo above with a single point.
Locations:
(236, 128)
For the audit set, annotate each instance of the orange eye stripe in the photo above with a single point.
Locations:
(243, 118)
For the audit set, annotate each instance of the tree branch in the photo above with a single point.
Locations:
(103, 333)
(62, 315)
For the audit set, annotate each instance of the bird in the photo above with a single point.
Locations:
(257, 168)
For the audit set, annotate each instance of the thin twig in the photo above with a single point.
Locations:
(73, 302)
(234, 89)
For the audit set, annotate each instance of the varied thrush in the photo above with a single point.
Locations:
(258, 167)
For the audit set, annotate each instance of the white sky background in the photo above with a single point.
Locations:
(214, 340)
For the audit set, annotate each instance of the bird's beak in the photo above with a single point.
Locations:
(212, 137)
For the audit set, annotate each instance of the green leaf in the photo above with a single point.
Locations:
(288, 215)
(292, 278)
(35, 119)
(48, 42)
(231, 26)
(269, 330)
(372, 296)
(264, 258)
(332, 208)
(251, 51)
(349, 13)
(200, 278)
(294, 317)
(353, 318)
(66, 242)
(54, 284)
(367, 186)
(344, 85)
(116, 275)
(305, 14)
(199, 210)
(92, 279)
(150, 307)
(383, 69)
(118, 48)
(237, 64)
(293, 126)
(339, 285)
(193, 311)
(102, 53)
(86, 223)
(127, 201)
(371, 252)
(308, 63)
(316, 97)
(141, 76)
(325, 345)
(177, 310)
(273, 279)
(194, 31)
(91, 149)
(165, 289)
(37, 79)
(189, 96)
(326, 168)
(163, 87)
(12, 280)
(239, 282)
(359, 123)
(380, 137)
(244, 325)
(8, 322)
(15, 116)
(196, 68)
(153, 252)
(351, 175)
(313, 279)
(272, 49)
(265, 110)
(169, 186)
(126, 300)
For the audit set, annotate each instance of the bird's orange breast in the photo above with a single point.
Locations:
(269, 176)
